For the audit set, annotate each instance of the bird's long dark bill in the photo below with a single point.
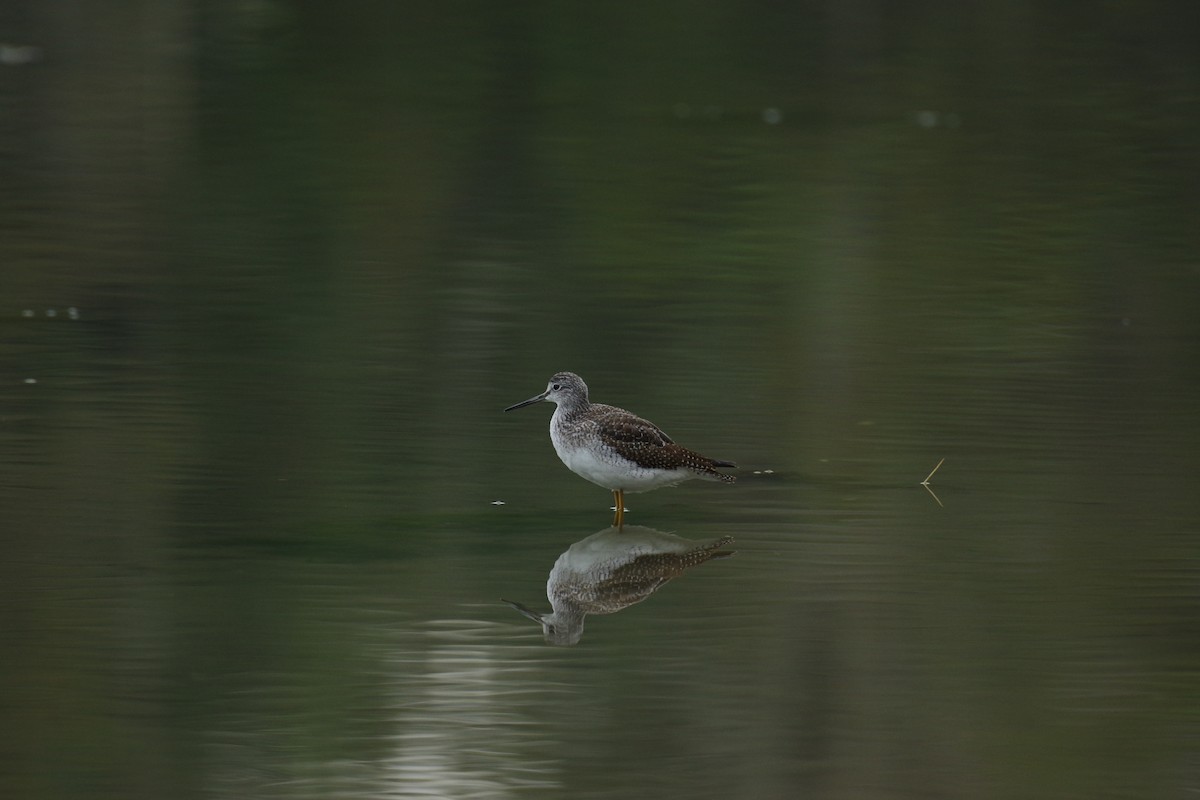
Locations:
(528, 402)
(533, 615)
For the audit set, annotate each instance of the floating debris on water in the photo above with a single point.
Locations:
(51, 313)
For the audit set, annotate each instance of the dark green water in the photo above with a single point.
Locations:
(269, 272)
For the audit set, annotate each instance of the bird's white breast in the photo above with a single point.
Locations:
(588, 457)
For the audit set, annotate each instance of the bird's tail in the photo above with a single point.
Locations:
(713, 475)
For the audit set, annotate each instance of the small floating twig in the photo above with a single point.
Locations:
(925, 483)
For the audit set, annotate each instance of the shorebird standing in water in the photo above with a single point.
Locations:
(614, 448)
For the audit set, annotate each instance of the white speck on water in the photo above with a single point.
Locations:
(934, 119)
(73, 312)
(27, 312)
(18, 55)
(772, 116)
(50, 312)
(497, 502)
(31, 380)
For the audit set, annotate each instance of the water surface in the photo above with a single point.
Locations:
(271, 272)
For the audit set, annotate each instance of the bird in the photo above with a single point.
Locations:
(612, 570)
(615, 448)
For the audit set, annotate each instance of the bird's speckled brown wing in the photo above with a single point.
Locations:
(618, 427)
(644, 443)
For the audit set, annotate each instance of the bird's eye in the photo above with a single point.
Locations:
(556, 387)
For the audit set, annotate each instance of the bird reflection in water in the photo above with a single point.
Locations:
(612, 570)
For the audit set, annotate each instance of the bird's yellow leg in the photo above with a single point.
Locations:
(619, 508)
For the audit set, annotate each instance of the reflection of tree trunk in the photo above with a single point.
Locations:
(499, 228)
(94, 134)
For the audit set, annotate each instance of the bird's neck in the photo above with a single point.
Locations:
(571, 409)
